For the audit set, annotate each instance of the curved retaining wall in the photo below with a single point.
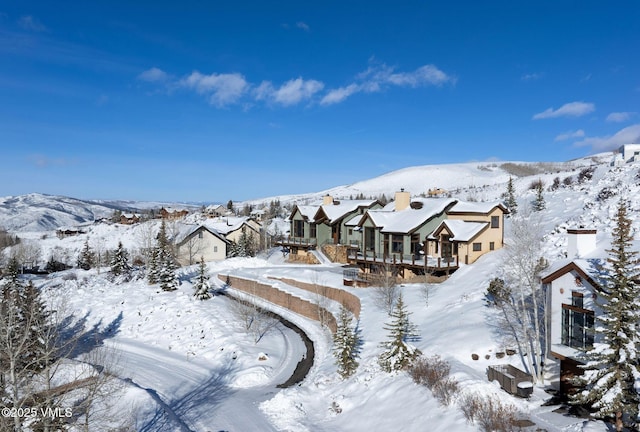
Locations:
(348, 300)
(284, 299)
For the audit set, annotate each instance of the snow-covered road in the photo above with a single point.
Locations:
(196, 395)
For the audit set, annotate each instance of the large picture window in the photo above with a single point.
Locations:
(298, 228)
(577, 327)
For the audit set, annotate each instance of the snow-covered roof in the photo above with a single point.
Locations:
(354, 221)
(226, 225)
(474, 207)
(592, 267)
(307, 211)
(407, 220)
(182, 231)
(337, 211)
(462, 231)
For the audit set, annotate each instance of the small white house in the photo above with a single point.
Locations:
(195, 241)
(630, 152)
(572, 288)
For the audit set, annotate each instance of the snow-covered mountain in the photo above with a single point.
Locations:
(476, 180)
(40, 212)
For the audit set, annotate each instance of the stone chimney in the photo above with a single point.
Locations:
(582, 241)
(402, 200)
(327, 200)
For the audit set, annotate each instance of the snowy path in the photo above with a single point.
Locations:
(196, 395)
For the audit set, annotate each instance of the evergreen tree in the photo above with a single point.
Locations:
(162, 263)
(87, 258)
(398, 354)
(202, 285)
(120, 261)
(511, 202)
(345, 345)
(245, 247)
(152, 266)
(612, 363)
(539, 203)
(167, 267)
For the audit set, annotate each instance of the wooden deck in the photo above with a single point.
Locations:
(297, 243)
(369, 261)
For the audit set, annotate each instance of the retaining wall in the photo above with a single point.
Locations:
(348, 300)
(284, 299)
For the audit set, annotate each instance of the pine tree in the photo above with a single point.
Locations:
(612, 363)
(120, 261)
(539, 203)
(87, 258)
(398, 354)
(167, 267)
(152, 266)
(202, 285)
(511, 202)
(162, 263)
(345, 345)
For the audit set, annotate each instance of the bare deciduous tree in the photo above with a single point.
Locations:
(524, 307)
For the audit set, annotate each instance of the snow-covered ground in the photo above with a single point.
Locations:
(189, 365)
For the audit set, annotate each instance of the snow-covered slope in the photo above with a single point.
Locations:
(40, 212)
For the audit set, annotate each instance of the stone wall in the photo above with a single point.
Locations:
(348, 300)
(336, 253)
(303, 257)
(284, 299)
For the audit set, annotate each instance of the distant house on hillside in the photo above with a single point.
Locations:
(172, 214)
(215, 210)
(129, 218)
(68, 232)
(627, 153)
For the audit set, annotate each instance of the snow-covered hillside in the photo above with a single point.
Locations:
(181, 351)
(40, 212)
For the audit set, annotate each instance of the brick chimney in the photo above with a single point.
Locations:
(402, 200)
(582, 241)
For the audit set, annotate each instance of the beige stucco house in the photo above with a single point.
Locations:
(469, 231)
(195, 241)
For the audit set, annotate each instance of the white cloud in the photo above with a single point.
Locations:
(630, 134)
(304, 26)
(571, 109)
(222, 89)
(425, 75)
(28, 22)
(339, 94)
(619, 117)
(378, 77)
(531, 76)
(568, 135)
(153, 75)
(290, 93)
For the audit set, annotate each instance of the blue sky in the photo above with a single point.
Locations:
(210, 101)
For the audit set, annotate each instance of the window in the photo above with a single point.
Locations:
(492, 246)
(369, 239)
(577, 327)
(215, 249)
(396, 243)
(200, 234)
(312, 230)
(477, 247)
(350, 231)
(298, 228)
(577, 300)
(495, 221)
